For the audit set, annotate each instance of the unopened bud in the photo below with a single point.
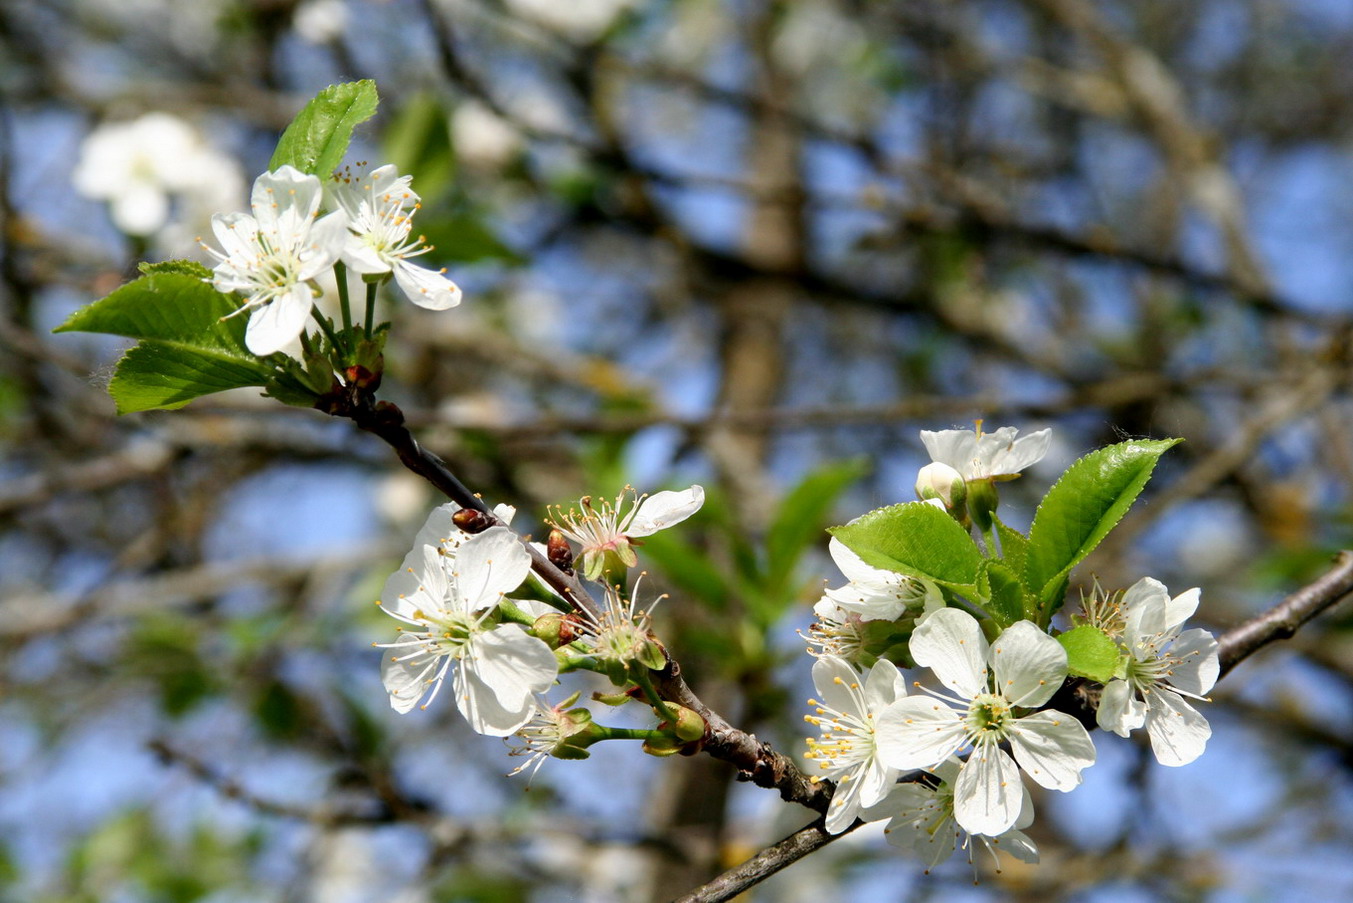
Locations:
(558, 551)
(689, 725)
(471, 520)
(982, 502)
(940, 481)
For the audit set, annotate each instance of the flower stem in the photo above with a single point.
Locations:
(341, 275)
(641, 677)
(370, 309)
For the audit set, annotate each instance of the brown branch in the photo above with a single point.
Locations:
(1283, 620)
(756, 761)
(764, 864)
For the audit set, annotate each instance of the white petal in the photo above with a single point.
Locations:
(408, 672)
(1010, 457)
(1053, 748)
(1018, 845)
(918, 732)
(426, 288)
(988, 795)
(875, 779)
(1181, 607)
(957, 448)
(237, 234)
(853, 565)
(838, 684)
(276, 324)
(845, 806)
(420, 585)
(439, 530)
(1029, 665)
(1120, 710)
(1145, 602)
(1178, 733)
(1198, 668)
(872, 602)
(883, 685)
(480, 706)
(511, 661)
(664, 509)
(285, 201)
(488, 566)
(324, 244)
(950, 643)
(360, 257)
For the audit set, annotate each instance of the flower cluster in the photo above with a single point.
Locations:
(962, 750)
(274, 254)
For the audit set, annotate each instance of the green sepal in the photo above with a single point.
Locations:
(1090, 652)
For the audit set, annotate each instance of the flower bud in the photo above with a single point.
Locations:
(982, 502)
(689, 725)
(471, 520)
(559, 553)
(940, 481)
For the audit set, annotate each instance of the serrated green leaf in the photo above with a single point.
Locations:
(1004, 594)
(183, 267)
(158, 376)
(799, 519)
(917, 539)
(187, 348)
(1079, 511)
(1014, 546)
(318, 137)
(1090, 653)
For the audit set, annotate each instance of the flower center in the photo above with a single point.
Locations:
(988, 718)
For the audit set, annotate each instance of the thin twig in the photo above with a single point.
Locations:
(764, 864)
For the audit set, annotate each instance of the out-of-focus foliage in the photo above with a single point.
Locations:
(733, 243)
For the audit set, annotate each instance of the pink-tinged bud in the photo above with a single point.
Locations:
(559, 552)
(471, 520)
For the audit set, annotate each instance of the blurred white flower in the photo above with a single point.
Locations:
(320, 21)
(581, 19)
(141, 167)
(482, 137)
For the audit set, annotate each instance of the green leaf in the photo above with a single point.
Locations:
(187, 347)
(184, 267)
(1079, 511)
(1014, 546)
(801, 516)
(999, 585)
(1090, 653)
(318, 137)
(916, 539)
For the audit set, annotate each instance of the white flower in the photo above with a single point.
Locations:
(607, 534)
(380, 205)
(986, 456)
(547, 735)
(620, 632)
(873, 593)
(1022, 669)
(1161, 668)
(271, 256)
(447, 599)
(483, 138)
(921, 821)
(836, 632)
(320, 21)
(140, 166)
(848, 750)
(940, 482)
